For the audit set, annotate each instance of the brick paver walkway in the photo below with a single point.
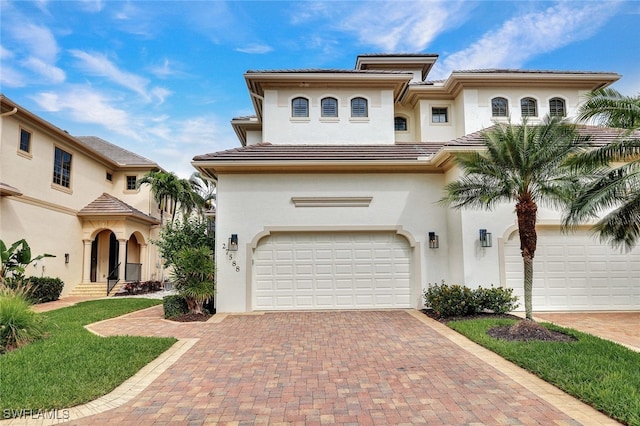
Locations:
(383, 367)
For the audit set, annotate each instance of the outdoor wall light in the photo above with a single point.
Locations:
(233, 243)
(485, 238)
(66, 258)
(434, 240)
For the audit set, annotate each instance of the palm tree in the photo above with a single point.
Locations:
(206, 188)
(165, 187)
(522, 164)
(612, 189)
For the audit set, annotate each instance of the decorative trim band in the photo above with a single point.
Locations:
(331, 201)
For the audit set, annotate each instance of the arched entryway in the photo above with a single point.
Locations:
(104, 257)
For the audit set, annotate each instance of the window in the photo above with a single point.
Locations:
(25, 140)
(62, 168)
(529, 107)
(329, 107)
(499, 107)
(109, 177)
(400, 124)
(131, 183)
(359, 107)
(556, 107)
(300, 107)
(439, 115)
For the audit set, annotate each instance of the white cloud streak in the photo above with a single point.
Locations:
(255, 48)
(526, 36)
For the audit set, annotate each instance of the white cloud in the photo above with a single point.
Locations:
(88, 106)
(402, 26)
(526, 36)
(49, 72)
(5, 53)
(92, 5)
(255, 48)
(10, 77)
(38, 40)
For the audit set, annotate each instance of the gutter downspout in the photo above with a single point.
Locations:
(8, 113)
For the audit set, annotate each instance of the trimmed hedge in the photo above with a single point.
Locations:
(174, 306)
(39, 289)
(457, 300)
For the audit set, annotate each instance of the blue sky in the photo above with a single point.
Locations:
(164, 78)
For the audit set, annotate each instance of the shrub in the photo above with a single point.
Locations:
(45, 289)
(456, 300)
(451, 300)
(19, 324)
(499, 300)
(137, 287)
(174, 306)
(193, 275)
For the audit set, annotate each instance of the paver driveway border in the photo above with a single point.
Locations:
(573, 408)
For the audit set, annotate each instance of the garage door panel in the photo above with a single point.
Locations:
(335, 270)
(576, 272)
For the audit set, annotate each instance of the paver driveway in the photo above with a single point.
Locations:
(382, 367)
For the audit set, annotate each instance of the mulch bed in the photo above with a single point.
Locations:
(523, 330)
(191, 318)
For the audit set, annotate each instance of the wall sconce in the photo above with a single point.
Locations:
(434, 240)
(66, 258)
(233, 243)
(485, 238)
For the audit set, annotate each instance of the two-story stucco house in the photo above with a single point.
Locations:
(331, 201)
(76, 198)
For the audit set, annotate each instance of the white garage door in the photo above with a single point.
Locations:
(332, 271)
(576, 272)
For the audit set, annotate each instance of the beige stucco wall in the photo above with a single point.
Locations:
(253, 205)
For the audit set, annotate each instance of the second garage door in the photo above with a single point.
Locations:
(339, 270)
(576, 272)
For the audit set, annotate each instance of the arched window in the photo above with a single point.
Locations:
(556, 107)
(400, 124)
(329, 107)
(300, 107)
(499, 107)
(359, 107)
(529, 107)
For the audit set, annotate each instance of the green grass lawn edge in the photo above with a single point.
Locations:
(601, 373)
(73, 366)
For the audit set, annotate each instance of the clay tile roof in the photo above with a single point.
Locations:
(598, 136)
(114, 152)
(267, 151)
(108, 205)
(6, 189)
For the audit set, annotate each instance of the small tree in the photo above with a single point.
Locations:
(193, 276)
(191, 232)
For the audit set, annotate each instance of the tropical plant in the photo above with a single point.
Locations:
(193, 276)
(206, 188)
(16, 258)
(614, 190)
(19, 324)
(189, 232)
(524, 164)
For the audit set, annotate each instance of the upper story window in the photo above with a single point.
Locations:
(439, 115)
(300, 107)
(131, 183)
(62, 168)
(329, 107)
(25, 140)
(529, 107)
(400, 124)
(499, 107)
(359, 107)
(556, 107)
(109, 177)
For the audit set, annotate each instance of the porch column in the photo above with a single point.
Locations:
(122, 258)
(144, 274)
(86, 261)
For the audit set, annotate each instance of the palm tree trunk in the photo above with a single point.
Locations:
(528, 286)
(526, 211)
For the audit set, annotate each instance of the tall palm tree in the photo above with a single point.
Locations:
(614, 190)
(524, 164)
(206, 188)
(165, 188)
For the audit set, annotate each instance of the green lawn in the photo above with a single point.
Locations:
(603, 374)
(73, 366)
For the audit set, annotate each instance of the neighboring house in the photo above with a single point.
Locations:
(331, 201)
(76, 198)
